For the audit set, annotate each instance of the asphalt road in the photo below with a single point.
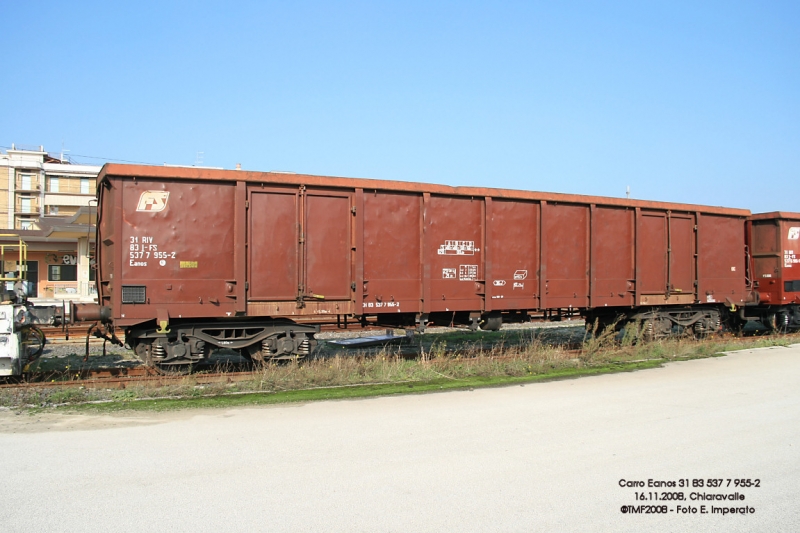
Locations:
(543, 457)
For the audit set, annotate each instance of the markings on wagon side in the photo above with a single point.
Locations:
(467, 272)
(458, 248)
(153, 201)
(144, 247)
(520, 274)
(448, 273)
(379, 305)
(794, 233)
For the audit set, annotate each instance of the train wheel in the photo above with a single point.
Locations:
(656, 328)
(491, 322)
(179, 368)
(144, 351)
(710, 324)
(281, 348)
(777, 322)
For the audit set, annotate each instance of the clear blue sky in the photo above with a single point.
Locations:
(684, 101)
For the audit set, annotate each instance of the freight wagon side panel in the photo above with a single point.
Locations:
(453, 237)
(565, 255)
(391, 255)
(328, 251)
(682, 257)
(300, 253)
(512, 255)
(172, 236)
(776, 257)
(273, 241)
(775, 248)
(651, 257)
(767, 259)
(612, 257)
(665, 258)
(790, 273)
(721, 259)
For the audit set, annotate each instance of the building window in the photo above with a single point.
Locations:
(33, 278)
(54, 184)
(32, 269)
(52, 210)
(25, 205)
(62, 273)
(26, 181)
(85, 186)
(26, 224)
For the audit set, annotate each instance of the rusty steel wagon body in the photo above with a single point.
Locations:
(191, 259)
(774, 243)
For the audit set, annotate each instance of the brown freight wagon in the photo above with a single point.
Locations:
(774, 244)
(189, 258)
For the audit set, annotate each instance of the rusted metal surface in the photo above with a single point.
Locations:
(512, 255)
(165, 248)
(612, 257)
(775, 250)
(651, 250)
(88, 312)
(390, 276)
(454, 239)
(721, 263)
(197, 174)
(565, 255)
(236, 243)
(273, 243)
(328, 248)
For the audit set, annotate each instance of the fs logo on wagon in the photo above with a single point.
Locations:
(153, 201)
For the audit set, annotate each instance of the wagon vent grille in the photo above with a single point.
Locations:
(134, 294)
(791, 286)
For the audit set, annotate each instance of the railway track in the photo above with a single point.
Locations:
(121, 378)
(59, 333)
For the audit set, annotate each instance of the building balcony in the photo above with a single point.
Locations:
(72, 200)
(27, 186)
(29, 207)
(67, 289)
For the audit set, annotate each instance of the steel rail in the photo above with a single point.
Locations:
(122, 378)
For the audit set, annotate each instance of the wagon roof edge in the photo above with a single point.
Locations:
(196, 173)
(786, 215)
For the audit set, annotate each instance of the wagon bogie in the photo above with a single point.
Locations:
(190, 342)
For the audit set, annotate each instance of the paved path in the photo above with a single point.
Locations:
(544, 457)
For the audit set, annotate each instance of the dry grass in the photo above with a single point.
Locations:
(496, 361)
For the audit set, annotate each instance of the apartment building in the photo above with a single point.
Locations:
(49, 202)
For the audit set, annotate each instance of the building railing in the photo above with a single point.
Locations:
(61, 289)
(30, 186)
(68, 289)
(29, 208)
